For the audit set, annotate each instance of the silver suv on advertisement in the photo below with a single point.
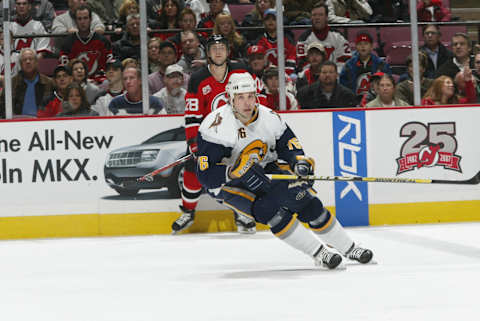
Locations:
(125, 165)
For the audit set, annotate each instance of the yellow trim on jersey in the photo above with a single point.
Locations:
(254, 117)
(236, 192)
(286, 228)
(329, 223)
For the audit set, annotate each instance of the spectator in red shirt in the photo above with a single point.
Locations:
(432, 10)
(442, 92)
(270, 95)
(52, 105)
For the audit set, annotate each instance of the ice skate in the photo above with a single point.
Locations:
(184, 221)
(327, 259)
(245, 225)
(359, 254)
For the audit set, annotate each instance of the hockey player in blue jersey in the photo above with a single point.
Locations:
(241, 141)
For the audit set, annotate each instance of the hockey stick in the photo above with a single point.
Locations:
(149, 177)
(472, 181)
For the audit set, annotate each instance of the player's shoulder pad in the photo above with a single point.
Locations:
(219, 127)
(273, 119)
(196, 79)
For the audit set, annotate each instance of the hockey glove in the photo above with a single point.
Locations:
(304, 166)
(255, 180)
(250, 173)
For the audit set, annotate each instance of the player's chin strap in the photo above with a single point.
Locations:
(242, 118)
(214, 63)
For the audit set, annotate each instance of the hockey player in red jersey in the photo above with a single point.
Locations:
(206, 92)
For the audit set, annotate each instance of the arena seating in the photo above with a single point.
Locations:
(239, 11)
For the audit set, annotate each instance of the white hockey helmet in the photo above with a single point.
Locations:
(240, 83)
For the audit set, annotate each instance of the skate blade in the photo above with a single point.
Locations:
(353, 262)
(246, 230)
(183, 229)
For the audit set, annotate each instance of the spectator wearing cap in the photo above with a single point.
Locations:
(258, 63)
(193, 54)
(130, 103)
(358, 69)
(316, 55)
(348, 11)
(371, 94)
(173, 94)
(270, 95)
(404, 89)
(115, 88)
(167, 57)
(52, 105)
(269, 41)
(29, 87)
(326, 92)
(129, 45)
(255, 18)
(257, 60)
(386, 94)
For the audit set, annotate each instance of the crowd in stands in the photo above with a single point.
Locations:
(96, 47)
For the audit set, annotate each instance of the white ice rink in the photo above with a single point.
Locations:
(426, 272)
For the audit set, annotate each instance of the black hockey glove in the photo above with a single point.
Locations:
(255, 180)
(250, 173)
(304, 167)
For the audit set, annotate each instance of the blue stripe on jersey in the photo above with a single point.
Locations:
(350, 159)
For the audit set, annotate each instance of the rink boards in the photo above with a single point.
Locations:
(52, 177)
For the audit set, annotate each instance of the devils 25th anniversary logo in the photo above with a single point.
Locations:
(433, 144)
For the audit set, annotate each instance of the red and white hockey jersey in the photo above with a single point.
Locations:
(31, 27)
(14, 62)
(96, 51)
(270, 45)
(204, 95)
(337, 48)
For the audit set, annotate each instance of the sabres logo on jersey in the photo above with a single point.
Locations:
(253, 153)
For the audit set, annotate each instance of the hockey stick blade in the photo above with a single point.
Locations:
(472, 181)
(149, 177)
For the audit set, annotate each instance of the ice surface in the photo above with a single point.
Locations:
(424, 272)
